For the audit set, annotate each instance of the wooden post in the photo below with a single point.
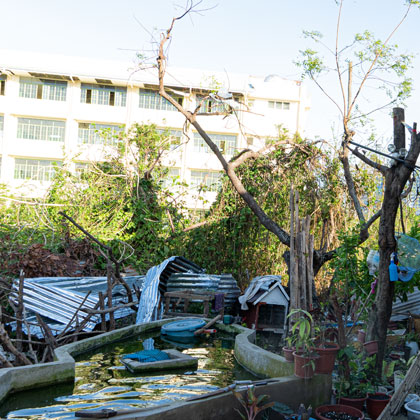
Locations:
(109, 296)
(399, 129)
(292, 274)
(302, 266)
(19, 313)
(102, 307)
(296, 251)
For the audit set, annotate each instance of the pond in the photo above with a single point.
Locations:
(102, 380)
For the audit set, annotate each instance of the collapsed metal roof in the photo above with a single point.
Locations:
(58, 298)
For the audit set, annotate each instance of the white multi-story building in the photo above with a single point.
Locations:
(52, 107)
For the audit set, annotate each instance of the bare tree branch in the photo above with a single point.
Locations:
(381, 168)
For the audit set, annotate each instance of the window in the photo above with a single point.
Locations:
(103, 95)
(279, 105)
(36, 170)
(90, 133)
(208, 181)
(2, 84)
(36, 129)
(173, 136)
(150, 99)
(52, 90)
(171, 177)
(210, 106)
(225, 142)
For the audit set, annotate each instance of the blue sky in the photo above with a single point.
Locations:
(247, 36)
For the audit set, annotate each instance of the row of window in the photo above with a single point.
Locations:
(89, 133)
(44, 170)
(53, 130)
(56, 90)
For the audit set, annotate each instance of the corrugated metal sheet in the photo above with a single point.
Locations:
(224, 283)
(57, 299)
(155, 284)
(412, 305)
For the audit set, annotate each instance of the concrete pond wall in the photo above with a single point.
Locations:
(288, 388)
(63, 368)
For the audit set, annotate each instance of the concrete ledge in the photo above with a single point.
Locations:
(63, 368)
(290, 390)
(257, 360)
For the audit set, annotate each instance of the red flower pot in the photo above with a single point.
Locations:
(358, 403)
(304, 365)
(338, 408)
(376, 403)
(371, 347)
(327, 355)
(361, 336)
(288, 353)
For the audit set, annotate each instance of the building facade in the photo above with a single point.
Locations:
(53, 109)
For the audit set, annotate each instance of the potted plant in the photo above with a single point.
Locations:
(327, 350)
(304, 356)
(289, 348)
(353, 384)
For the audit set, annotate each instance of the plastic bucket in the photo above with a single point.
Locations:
(413, 410)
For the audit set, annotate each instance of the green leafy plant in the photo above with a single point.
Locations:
(252, 403)
(356, 381)
(302, 331)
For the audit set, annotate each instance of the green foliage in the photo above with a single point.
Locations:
(356, 382)
(302, 330)
(233, 240)
(351, 275)
(120, 200)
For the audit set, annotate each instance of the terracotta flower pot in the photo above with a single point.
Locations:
(371, 347)
(376, 403)
(327, 355)
(361, 336)
(358, 403)
(338, 408)
(288, 353)
(304, 365)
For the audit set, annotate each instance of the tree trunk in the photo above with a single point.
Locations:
(396, 178)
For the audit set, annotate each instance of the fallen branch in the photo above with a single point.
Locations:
(8, 346)
(107, 311)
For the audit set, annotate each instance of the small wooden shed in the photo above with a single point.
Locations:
(268, 305)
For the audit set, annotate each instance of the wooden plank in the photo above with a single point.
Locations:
(292, 274)
(208, 325)
(310, 266)
(302, 266)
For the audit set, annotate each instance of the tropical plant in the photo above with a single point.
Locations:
(252, 403)
(302, 331)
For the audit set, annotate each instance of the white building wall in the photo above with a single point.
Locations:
(259, 123)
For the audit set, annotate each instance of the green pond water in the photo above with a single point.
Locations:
(102, 381)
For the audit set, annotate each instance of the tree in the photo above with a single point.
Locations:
(376, 61)
(122, 199)
(379, 65)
